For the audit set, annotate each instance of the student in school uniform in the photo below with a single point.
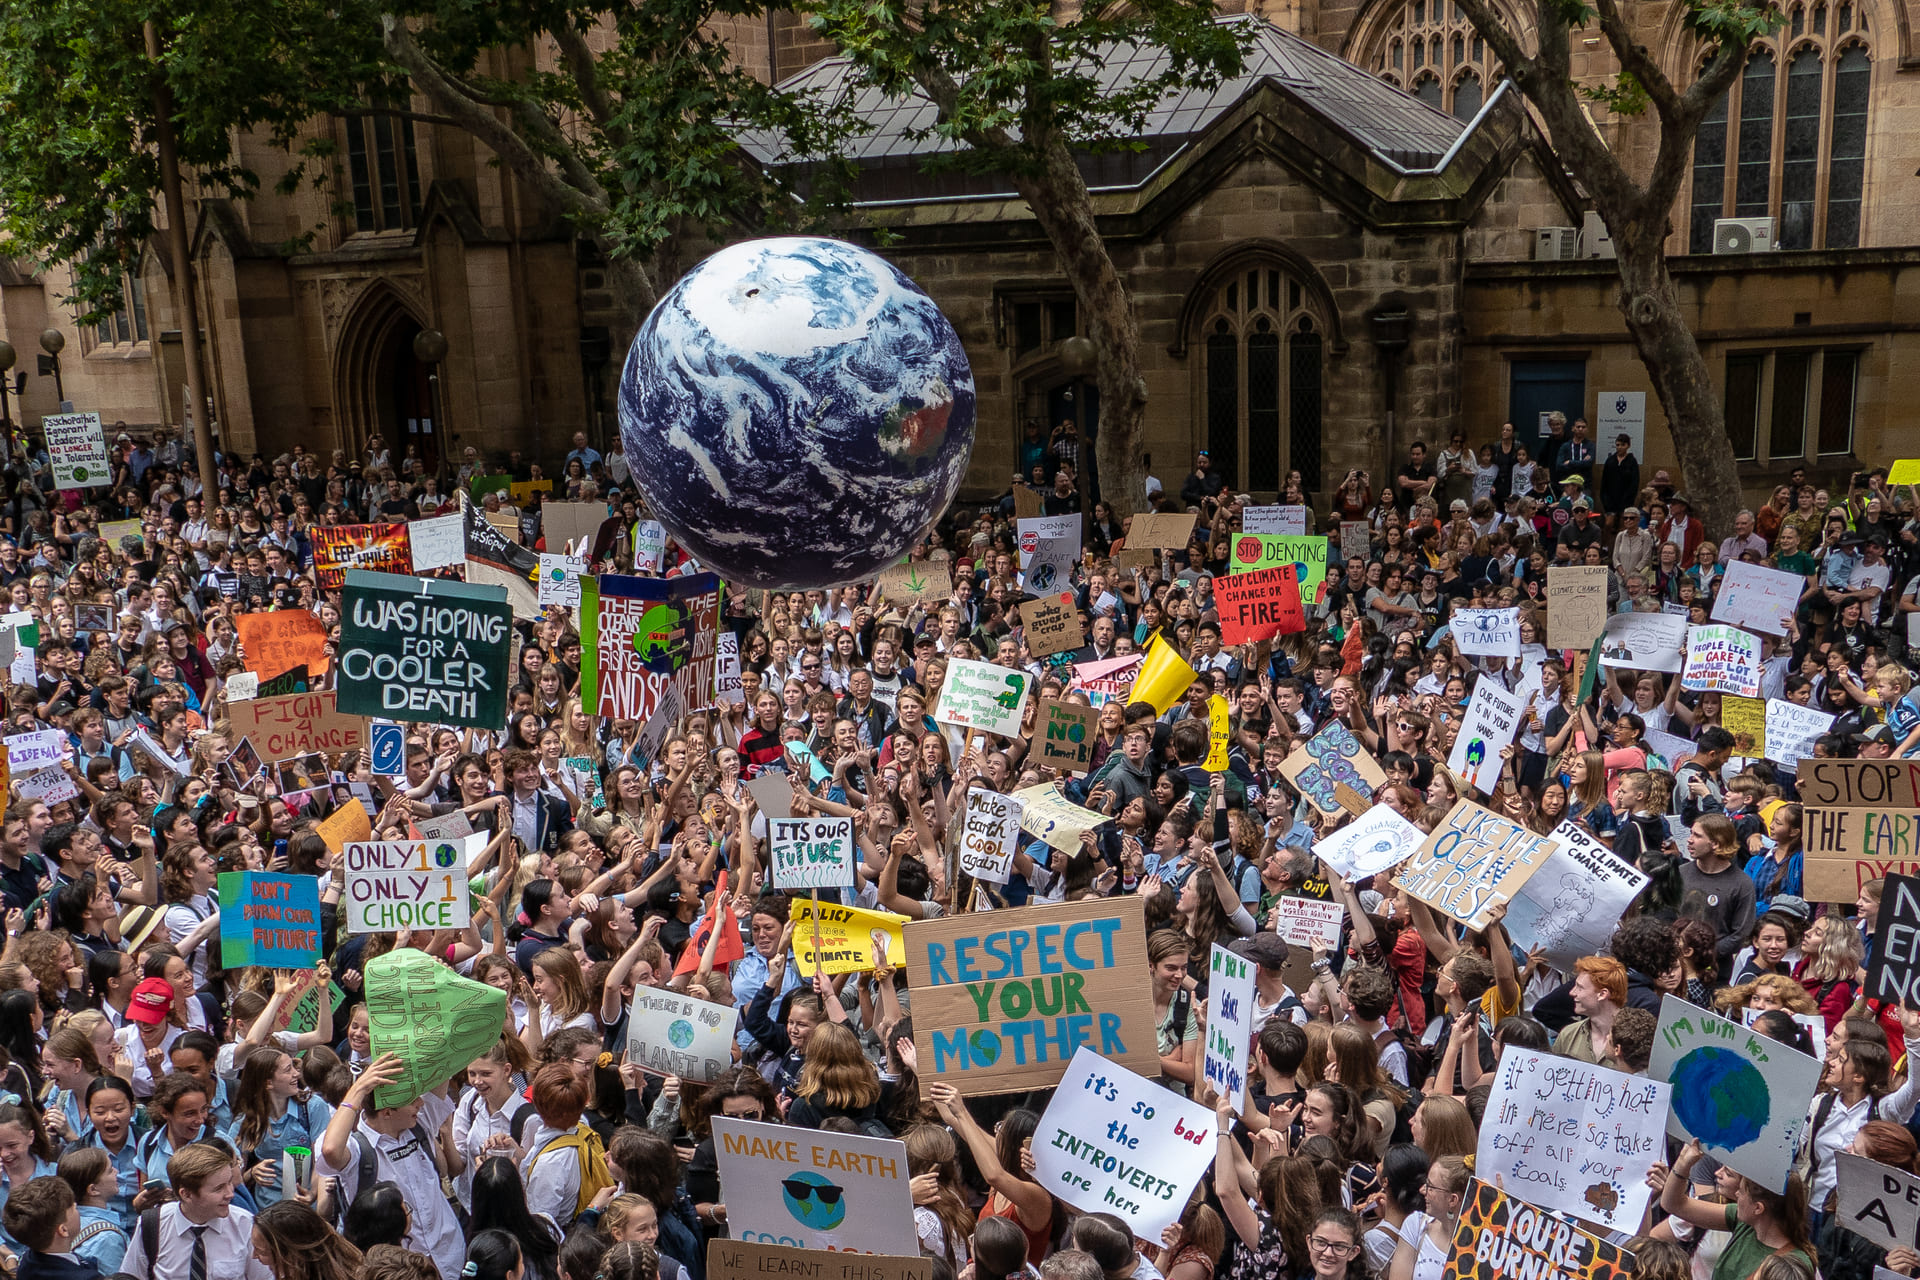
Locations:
(202, 1234)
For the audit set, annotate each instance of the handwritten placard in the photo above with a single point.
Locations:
(812, 853)
(988, 839)
(1474, 859)
(1065, 734)
(1741, 1094)
(1229, 1046)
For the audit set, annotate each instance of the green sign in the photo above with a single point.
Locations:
(436, 1020)
(424, 649)
(1307, 554)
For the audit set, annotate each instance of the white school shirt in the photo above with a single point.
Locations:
(435, 1230)
(228, 1241)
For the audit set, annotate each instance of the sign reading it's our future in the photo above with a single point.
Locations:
(424, 649)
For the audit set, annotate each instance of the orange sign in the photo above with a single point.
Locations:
(282, 728)
(282, 640)
(349, 824)
(382, 548)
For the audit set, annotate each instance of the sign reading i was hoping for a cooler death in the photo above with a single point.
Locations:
(1002, 1000)
(424, 649)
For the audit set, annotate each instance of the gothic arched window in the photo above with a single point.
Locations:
(1789, 140)
(1431, 48)
(1262, 379)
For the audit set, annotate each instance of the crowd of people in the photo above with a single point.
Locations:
(163, 1116)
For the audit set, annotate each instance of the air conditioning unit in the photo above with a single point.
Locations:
(1743, 235)
(1595, 240)
(1555, 244)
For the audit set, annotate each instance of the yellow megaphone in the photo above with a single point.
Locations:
(1164, 677)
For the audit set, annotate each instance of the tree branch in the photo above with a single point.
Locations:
(1635, 60)
(586, 74)
(423, 117)
(1506, 45)
(1715, 80)
(519, 157)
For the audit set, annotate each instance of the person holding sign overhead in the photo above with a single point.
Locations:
(1002, 1158)
(1764, 1223)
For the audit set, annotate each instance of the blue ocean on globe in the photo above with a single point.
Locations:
(1720, 1097)
(797, 412)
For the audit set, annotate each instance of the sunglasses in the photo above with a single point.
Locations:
(801, 1190)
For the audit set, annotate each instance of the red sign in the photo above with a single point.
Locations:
(383, 548)
(1259, 605)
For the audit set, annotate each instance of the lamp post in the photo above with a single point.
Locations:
(430, 348)
(53, 342)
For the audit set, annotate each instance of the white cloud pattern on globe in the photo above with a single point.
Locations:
(797, 412)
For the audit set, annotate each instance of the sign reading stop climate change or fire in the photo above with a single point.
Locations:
(425, 649)
(1001, 1004)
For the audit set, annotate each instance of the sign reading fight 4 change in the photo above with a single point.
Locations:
(1002, 1000)
(804, 1189)
(424, 649)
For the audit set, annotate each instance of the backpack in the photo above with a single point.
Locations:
(592, 1157)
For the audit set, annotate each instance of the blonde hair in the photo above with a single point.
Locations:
(564, 972)
(836, 1073)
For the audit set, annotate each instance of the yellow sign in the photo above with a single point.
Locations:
(847, 937)
(1905, 471)
(1746, 720)
(1164, 677)
(1217, 714)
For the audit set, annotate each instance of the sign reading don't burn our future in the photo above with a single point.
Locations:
(424, 649)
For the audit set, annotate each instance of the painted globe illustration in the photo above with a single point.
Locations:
(680, 1032)
(1720, 1097)
(813, 1201)
(661, 639)
(797, 412)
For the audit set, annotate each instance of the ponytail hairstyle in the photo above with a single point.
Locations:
(491, 1255)
(1345, 1105)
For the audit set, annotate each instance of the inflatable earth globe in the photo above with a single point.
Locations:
(797, 412)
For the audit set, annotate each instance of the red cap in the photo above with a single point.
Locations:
(152, 1001)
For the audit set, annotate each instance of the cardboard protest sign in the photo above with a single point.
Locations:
(565, 524)
(1064, 734)
(1026, 501)
(1111, 1141)
(560, 579)
(1049, 548)
(1487, 633)
(1154, 531)
(744, 1260)
(809, 1189)
(452, 827)
(274, 642)
(1746, 720)
(1724, 659)
(1576, 604)
(1893, 975)
(1052, 624)
(378, 548)
(1259, 605)
(1791, 730)
(1333, 771)
(727, 690)
(1852, 784)
(1303, 922)
(1757, 598)
(1573, 1137)
(49, 786)
(646, 634)
(522, 491)
(1229, 1046)
(291, 681)
(438, 542)
(424, 649)
(1355, 540)
(296, 725)
(991, 832)
(1219, 734)
(1047, 815)
(1307, 555)
(811, 853)
(77, 448)
(916, 582)
(1472, 860)
(406, 884)
(1643, 641)
(436, 1020)
(1742, 1095)
(848, 936)
(1493, 715)
(1379, 841)
(268, 919)
(1275, 520)
(674, 1035)
(1845, 848)
(1877, 1202)
(345, 825)
(984, 697)
(1501, 1237)
(1001, 1000)
(41, 749)
(1575, 901)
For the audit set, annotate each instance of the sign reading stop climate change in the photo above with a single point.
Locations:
(1002, 1004)
(425, 649)
(406, 884)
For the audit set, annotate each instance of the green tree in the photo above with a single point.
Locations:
(1637, 209)
(1020, 92)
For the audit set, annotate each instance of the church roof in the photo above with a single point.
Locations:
(1390, 123)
